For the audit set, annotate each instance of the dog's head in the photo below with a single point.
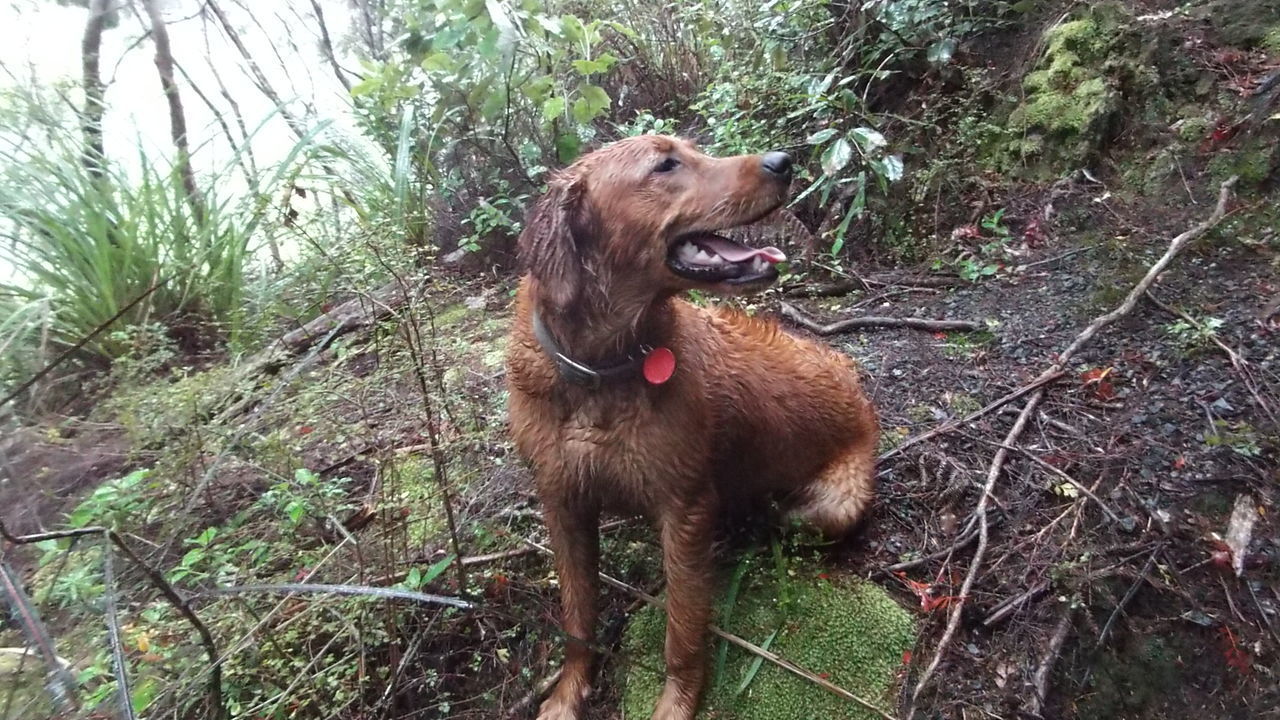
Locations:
(648, 213)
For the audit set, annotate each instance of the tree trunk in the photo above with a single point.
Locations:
(94, 158)
(326, 44)
(177, 116)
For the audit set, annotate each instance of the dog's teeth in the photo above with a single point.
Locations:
(688, 251)
(704, 257)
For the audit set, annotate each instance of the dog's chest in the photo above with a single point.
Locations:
(632, 445)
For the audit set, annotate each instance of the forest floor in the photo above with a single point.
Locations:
(1118, 573)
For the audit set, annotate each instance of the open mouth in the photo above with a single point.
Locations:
(710, 258)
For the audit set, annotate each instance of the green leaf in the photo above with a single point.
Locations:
(726, 612)
(365, 87)
(437, 62)
(413, 580)
(550, 24)
(869, 140)
(553, 108)
(836, 157)
(596, 98)
(888, 167)
(821, 136)
(568, 145)
(437, 568)
(572, 29)
(856, 208)
(193, 556)
(755, 665)
(206, 537)
(941, 51)
(538, 89)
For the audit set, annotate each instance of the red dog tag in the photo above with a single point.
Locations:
(659, 366)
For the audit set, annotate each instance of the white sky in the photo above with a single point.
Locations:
(40, 44)
(40, 40)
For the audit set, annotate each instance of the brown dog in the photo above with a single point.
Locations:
(625, 398)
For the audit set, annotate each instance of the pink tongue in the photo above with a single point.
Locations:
(737, 252)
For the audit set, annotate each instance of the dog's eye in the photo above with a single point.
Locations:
(667, 165)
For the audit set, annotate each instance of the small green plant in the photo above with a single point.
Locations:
(1194, 334)
(994, 224)
(1240, 436)
(114, 504)
(307, 496)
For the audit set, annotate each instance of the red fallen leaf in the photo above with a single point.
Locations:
(930, 604)
(1221, 555)
(940, 335)
(326, 307)
(1180, 462)
(1056, 460)
(924, 591)
(824, 576)
(1033, 234)
(906, 657)
(1236, 658)
(301, 574)
(825, 676)
(965, 232)
(1102, 388)
(306, 430)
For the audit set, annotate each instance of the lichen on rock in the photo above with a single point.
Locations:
(850, 630)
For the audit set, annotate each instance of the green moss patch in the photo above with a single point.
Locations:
(1072, 99)
(849, 630)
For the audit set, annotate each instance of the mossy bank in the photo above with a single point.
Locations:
(848, 630)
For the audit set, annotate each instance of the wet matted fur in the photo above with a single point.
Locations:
(749, 411)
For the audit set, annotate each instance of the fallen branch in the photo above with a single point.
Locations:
(1011, 439)
(1133, 590)
(1007, 608)
(960, 542)
(953, 425)
(1106, 509)
(1045, 671)
(745, 645)
(357, 590)
(59, 682)
(869, 321)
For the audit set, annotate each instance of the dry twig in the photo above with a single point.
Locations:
(791, 313)
(1045, 671)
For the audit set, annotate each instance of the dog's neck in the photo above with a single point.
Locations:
(602, 330)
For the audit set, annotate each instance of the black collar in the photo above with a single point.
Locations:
(581, 373)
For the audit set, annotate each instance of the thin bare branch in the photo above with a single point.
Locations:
(870, 321)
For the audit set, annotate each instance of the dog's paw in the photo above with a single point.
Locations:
(556, 709)
(675, 704)
(565, 701)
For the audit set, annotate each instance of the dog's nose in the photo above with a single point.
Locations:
(777, 163)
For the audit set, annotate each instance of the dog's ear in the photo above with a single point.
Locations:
(551, 244)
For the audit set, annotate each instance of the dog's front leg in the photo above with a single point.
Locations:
(575, 538)
(686, 545)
